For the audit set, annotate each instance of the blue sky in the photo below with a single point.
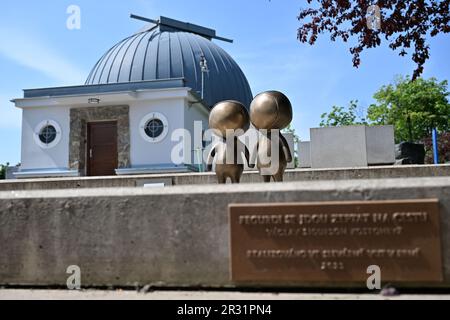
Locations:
(37, 50)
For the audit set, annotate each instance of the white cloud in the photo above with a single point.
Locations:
(29, 51)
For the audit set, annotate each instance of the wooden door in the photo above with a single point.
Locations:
(102, 148)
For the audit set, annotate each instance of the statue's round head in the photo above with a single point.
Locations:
(228, 114)
(271, 110)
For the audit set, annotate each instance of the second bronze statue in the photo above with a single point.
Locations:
(270, 112)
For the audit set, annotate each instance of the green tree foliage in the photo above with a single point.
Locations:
(3, 170)
(413, 107)
(339, 116)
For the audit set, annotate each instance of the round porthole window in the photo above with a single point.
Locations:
(47, 134)
(153, 127)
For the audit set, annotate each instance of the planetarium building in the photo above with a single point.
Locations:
(165, 77)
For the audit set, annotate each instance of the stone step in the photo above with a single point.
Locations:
(378, 172)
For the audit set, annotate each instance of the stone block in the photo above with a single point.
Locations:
(352, 146)
(410, 153)
(380, 145)
(338, 147)
(304, 154)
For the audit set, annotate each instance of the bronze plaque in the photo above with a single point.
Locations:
(335, 241)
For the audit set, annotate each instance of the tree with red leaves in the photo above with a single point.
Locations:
(404, 24)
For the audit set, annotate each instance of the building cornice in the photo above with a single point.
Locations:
(104, 98)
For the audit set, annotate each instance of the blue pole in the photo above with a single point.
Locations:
(435, 146)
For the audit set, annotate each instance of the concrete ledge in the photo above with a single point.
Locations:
(39, 294)
(379, 172)
(45, 173)
(151, 169)
(176, 236)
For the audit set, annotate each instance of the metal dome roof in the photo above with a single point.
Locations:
(163, 52)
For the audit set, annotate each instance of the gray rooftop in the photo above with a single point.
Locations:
(103, 88)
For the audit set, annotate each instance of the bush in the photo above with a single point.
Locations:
(3, 170)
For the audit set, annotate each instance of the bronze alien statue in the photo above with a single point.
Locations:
(228, 119)
(270, 112)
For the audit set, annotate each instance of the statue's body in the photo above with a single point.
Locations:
(226, 170)
(270, 112)
(232, 116)
(266, 143)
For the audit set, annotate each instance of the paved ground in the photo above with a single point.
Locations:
(34, 294)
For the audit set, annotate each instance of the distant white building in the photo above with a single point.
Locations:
(120, 121)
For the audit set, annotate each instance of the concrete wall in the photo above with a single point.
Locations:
(177, 236)
(35, 157)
